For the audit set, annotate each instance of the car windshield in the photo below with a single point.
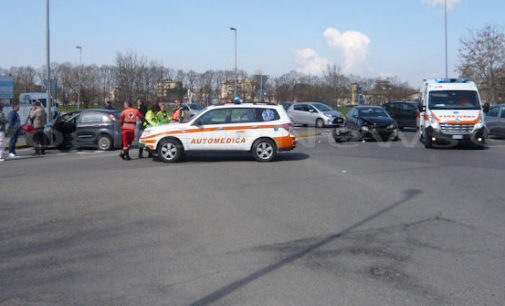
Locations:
(373, 112)
(322, 107)
(454, 99)
(195, 106)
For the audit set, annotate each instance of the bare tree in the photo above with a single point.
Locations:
(482, 56)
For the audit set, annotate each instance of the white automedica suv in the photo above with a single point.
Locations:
(262, 129)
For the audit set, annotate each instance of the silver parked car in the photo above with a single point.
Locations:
(495, 120)
(315, 113)
(190, 109)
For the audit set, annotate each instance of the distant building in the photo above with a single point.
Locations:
(164, 87)
(246, 90)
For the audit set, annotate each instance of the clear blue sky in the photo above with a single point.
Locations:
(403, 38)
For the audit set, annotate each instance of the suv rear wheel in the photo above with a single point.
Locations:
(264, 150)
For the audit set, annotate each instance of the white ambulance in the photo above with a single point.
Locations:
(450, 111)
(262, 129)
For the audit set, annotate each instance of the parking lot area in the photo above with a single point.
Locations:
(355, 223)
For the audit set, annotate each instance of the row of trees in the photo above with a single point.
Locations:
(132, 77)
(482, 58)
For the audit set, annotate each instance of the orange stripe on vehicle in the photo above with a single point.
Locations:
(456, 122)
(228, 128)
(285, 141)
(148, 141)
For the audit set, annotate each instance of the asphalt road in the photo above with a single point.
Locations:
(326, 224)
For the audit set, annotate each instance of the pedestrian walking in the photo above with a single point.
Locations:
(129, 121)
(162, 115)
(3, 122)
(38, 118)
(14, 130)
(178, 113)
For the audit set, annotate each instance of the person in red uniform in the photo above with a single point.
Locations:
(129, 121)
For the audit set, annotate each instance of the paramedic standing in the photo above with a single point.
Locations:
(178, 114)
(129, 121)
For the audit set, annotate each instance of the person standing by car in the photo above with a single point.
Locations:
(108, 105)
(3, 122)
(38, 118)
(163, 117)
(140, 128)
(14, 128)
(178, 113)
(129, 122)
(151, 117)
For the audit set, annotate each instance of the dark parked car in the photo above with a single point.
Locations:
(98, 128)
(404, 112)
(372, 122)
(495, 120)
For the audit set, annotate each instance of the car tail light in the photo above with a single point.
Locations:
(288, 127)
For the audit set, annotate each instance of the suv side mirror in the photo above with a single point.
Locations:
(421, 108)
(311, 110)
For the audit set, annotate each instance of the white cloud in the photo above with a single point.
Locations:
(450, 3)
(355, 46)
(310, 61)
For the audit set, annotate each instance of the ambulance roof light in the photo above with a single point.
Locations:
(447, 80)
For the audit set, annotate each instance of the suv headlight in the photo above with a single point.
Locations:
(147, 132)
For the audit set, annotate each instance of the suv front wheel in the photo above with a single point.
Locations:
(264, 150)
(170, 150)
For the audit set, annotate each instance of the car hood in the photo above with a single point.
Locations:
(169, 127)
(333, 113)
(378, 120)
(456, 116)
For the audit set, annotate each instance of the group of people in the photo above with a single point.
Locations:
(11, 126)
(156, 116)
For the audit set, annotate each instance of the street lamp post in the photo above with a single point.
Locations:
(79, 77)
(446, 52)
(235, 30)
(49, 83)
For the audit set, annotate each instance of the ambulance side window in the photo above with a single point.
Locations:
(266, 114)
(242, 115)
(217, 116)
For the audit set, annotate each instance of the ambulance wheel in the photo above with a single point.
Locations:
(427, 140)
(104, 143)
(169, 150)
(264, 150)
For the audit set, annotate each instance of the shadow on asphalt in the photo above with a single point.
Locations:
(226, 290)
(195, 157)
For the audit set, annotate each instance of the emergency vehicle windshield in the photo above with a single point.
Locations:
(454, 99)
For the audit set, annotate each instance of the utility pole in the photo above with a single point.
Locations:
(79, 77)
(235, 90)
(49, 83)
(446, 52)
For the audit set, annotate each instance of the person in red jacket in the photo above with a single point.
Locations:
(129, 121)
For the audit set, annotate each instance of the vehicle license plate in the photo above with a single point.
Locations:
(457, 136)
